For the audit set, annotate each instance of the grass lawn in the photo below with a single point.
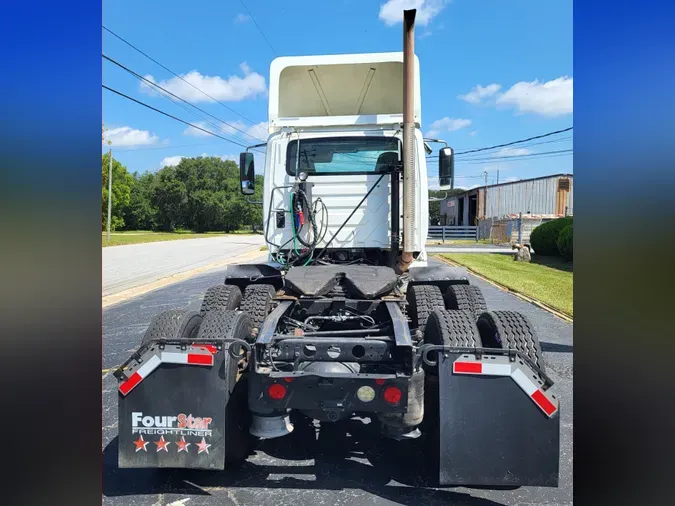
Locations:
(141, 236)
(546, 280)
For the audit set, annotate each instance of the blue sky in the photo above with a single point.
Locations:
(492, 71)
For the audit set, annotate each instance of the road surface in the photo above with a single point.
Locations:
(134, 265)
(336, 468)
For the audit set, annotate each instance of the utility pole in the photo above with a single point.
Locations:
(485, 196)
(109, 192)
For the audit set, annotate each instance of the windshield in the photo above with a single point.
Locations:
(343, 155)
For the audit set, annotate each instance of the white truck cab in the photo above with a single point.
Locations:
(346, 113)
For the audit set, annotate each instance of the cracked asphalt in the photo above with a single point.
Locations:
(336, 465)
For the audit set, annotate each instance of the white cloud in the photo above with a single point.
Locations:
(478, 93)
(511, 152)
(259, 130)
(235, 128)
(234, 158)
(127, 137)
(242, 18)
(473, 134)
(552, 98)
(234, 88)
(447, 125)
(171, 161)
(391, 12)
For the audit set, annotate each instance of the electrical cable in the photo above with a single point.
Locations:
(257, 26)
(171, 116)
(515, 142)
(172, 72)
(152, 83)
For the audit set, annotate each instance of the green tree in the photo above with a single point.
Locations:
(122, 183)
(169, 197)
(140, 213)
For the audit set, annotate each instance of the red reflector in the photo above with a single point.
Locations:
(129, 384)
(208, 347)
(276, 391)
(379, 381)
(288, 379)
(468, 367)
(392, 395)
(543, 402)
(193, 358)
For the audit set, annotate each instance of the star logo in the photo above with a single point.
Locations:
(203, 447)
(140, 443)
(182, 445)
(161, 444)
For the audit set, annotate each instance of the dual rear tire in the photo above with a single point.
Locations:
(217, 323)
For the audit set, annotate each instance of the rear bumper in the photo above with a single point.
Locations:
(332, 393)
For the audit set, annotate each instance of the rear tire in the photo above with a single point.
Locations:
(513, 331)
(224, 324)
(449, 328)
(226, 297)
(173, 324)
(422, 300)
(465, 298)
(257, 303)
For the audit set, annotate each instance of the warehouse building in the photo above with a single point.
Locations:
(549, 196)
(496, 209)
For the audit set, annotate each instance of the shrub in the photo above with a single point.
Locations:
(565, 242)
(544, 238)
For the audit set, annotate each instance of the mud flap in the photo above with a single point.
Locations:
(498, 427)
(174, 415)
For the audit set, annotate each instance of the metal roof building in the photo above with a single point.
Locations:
(546, 197)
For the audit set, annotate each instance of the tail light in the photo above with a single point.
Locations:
(392, 395)
(276, 391)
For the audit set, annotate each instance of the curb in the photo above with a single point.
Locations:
(504, 288)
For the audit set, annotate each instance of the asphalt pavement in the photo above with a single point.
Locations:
(337, 466)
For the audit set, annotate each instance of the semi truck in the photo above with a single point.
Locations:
(348, 317)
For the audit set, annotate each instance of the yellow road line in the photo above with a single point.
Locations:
(536, 302)
(182, 276)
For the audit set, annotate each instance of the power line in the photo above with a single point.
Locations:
(259, 29)
(168, 147)
(533, 156)
(141, 78)
(515, 142)
(517, 157)
(478, 156)
(179, 77)
(509, 157)
(171, 116)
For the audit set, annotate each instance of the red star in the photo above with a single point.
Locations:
(161, 444)
(182, 445)
(203, 447)
(140, 444)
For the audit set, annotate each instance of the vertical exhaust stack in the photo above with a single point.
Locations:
(410, 204)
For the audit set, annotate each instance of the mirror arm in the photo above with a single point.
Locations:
(435, 199)
(254, 202)
(256, 146)
(436, 140)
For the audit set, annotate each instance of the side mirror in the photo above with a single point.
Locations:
(446, 168)
(247, 173)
